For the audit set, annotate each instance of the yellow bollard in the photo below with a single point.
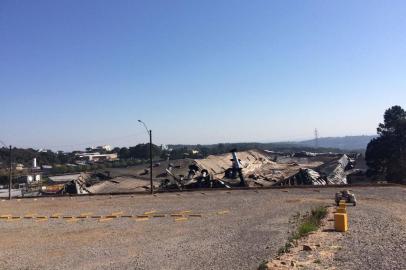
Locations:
(341, 210)
(340, 222)
(342, 204)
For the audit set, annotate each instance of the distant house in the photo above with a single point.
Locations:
(96, 157)
(47, 167)
(19, 167)
(33, 178)
(106, 147)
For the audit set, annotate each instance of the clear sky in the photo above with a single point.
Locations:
(75, 73)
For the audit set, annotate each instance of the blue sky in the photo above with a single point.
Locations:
(76, 73)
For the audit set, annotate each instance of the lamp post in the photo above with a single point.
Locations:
(10, 173)
(150, 154)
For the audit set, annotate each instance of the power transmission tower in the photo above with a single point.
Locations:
(316, 138)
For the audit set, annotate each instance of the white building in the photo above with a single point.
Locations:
(33, 178)
(95, 157)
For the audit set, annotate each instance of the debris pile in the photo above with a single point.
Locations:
(261, 168)
(333, 171)
(252, 168)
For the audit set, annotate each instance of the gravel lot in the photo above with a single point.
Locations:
(377, 238)
(237, 230)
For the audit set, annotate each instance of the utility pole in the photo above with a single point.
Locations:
(10, 175)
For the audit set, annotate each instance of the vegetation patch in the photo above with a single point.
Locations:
(306, 224)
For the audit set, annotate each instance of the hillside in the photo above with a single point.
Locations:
(344, 143)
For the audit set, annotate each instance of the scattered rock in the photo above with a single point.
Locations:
(307, 248)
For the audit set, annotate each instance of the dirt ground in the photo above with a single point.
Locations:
(196, 230)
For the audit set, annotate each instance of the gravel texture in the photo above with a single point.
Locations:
(253, 229)
(377, 237)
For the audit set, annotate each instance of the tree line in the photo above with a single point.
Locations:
(386, 154)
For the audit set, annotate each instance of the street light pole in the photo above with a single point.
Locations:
(10, 176)
(150, 161)
(150, 154)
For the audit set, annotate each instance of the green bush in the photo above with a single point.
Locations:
(306, 228)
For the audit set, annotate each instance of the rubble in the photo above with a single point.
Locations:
(333, 171)
(260, 168)
(253, 168)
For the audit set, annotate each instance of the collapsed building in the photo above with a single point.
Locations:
(332, 172)
(253, 168)
(264, 169)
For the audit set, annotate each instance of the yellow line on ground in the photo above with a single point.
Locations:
(105, 219)
(73, 220)
(141, 219)
(56, 215)
(223, 212)
(185, 212)
(41, 220)
(12, 220)
(150, 212)
(117, 213)
(5, 216)
(176, 215)
(181, 219)
(111, 216)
